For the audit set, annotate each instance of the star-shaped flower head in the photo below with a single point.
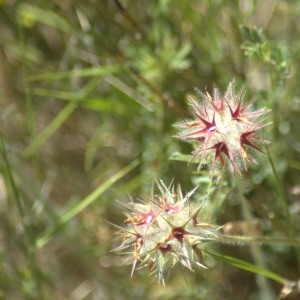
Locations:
(223, 129)
(164, 230)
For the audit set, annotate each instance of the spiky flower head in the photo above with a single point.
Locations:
(164, 230)
(223, 126)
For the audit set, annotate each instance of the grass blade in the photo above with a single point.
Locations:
(285, 204)
(48, 234)
(129, 92)
(28, 237)
(246, 266)
(87, 72)
(41, 15)
(50, 129)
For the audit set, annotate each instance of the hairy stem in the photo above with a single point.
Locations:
(246, 240)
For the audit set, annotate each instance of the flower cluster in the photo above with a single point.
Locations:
(223, 126)
(164, 230)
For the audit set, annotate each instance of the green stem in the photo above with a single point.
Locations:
(284, 202)
(28, 96)
(247, 266)
(30, 254)
(266, 290)
(227, 239)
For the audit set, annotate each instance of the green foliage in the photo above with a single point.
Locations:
(257, 47)
(89, 91)
(246, 266)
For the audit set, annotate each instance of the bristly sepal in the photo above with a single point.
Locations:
(164, 230)
(225, 127)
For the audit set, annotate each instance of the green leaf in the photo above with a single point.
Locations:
(88, 72)
(246, 32)
(294, 164)
(103, 105)
(183, 157)
(127, 90)
(258, 35)
(247, 46)
(96, 104)
(246, 266)
(50, 18)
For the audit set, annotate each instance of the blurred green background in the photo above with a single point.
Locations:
(89, 91)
